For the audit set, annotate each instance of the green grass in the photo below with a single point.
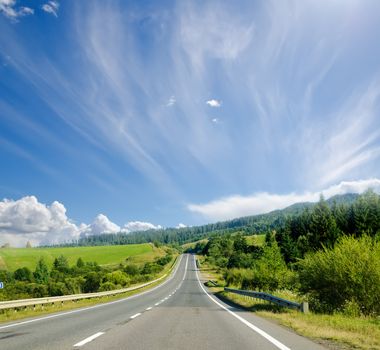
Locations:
(336, 330)
(14, 258)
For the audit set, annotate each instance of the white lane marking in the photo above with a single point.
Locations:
(156, 304)
(96, 306)
(87, 340)
(149, 308)
(241, 319)
(135, 315)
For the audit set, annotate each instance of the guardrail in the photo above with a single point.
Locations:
(303, 307)
(14, 304)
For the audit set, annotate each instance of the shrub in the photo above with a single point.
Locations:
(117, 278)
(346, 275)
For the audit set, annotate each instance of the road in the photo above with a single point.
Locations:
(178, 314)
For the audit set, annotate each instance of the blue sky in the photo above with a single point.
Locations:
(187, 112)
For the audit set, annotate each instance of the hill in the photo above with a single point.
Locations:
(14, 258)
(254, 224)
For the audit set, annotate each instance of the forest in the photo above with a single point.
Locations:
(327, 254)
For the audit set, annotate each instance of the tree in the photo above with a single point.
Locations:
(23, 274)
(28, 244)
(80, 263)
(61, 263)
(41, 273)
(323, 227)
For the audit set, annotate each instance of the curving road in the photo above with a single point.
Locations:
(178, 314)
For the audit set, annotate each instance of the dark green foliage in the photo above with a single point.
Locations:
(92, 282)
(23, 274)
(131, 270)
(61, 263)
(80, 263)
(41, 273)
(347, 274)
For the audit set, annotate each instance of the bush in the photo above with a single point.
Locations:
(348, 274)
(117, 278)
(131, 270)
(23, 274)
(107, 286)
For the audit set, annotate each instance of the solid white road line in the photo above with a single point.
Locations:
(95, 306)
(87, 340)
(241, 319)
(149, 308)
(135, 315)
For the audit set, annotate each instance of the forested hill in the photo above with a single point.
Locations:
(255, 224)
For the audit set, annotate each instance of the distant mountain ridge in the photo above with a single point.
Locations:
(252, 224)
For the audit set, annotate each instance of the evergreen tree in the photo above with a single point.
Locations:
(41, 273)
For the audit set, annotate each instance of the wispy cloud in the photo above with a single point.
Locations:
(259, 203)
(9, 9)
(51, 7)
(214, 103)
(171, 101)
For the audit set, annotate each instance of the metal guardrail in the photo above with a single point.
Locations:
(13, 304)
(303, 307)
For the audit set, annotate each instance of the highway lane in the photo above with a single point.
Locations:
(63, 330)
(192, 319)
(178, 315)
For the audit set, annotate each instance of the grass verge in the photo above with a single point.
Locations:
(337, 331)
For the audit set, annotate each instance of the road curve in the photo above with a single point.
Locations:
(179, 314)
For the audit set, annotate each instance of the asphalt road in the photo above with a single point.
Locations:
(178, 314)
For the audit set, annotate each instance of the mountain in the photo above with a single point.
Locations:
(253, 224)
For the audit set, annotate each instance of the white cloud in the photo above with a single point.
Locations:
(214, 103)
(9, 9)
(27, 219)
(171, 101)
(263, 202)
(51, 7)
(101, 225)
(133, 226)
(181, 225)
(215, 120)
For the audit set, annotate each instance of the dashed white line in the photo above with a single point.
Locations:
(241, 319)
(135, 315)
(156, 304)
(87, 340)
(149, 308)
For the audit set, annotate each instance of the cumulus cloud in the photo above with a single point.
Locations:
(263, 202)
(51, 7)
(181, 225)
(214, 103)
(134, 226)
(101, 225)
(8, 8)
(27, 219)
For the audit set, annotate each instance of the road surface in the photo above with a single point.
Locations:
(178, 314)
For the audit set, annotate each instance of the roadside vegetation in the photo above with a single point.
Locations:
(328, 256)
(63, 278)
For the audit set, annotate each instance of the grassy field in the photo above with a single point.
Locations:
(14, 258)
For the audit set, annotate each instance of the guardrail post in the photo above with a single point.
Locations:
(305, 307)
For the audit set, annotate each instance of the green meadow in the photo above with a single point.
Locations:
(14, 258)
